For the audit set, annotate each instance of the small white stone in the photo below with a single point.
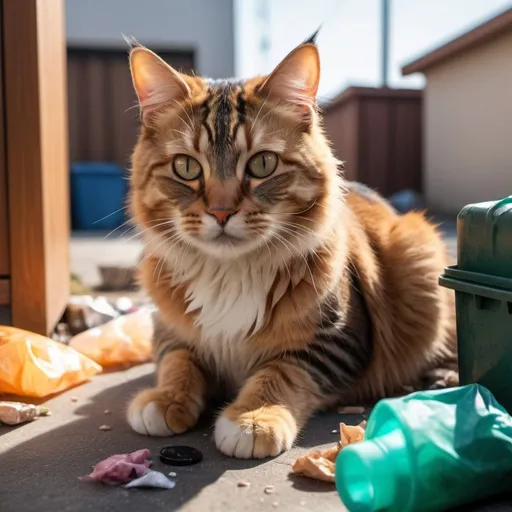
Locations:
(172, 474)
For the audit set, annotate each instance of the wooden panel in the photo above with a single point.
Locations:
(374, 149)
(54, 135)
(407, 149)
(5, 292)
(4, 227)
(36, 142)
(342, 129)
(378, 132)
(103, 113)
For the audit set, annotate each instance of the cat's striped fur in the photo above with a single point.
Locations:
(290, 292)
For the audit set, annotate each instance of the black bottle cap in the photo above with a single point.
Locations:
(180, 455)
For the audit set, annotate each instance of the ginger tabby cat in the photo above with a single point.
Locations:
(276, 281)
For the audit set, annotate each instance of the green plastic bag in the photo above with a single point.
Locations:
(428, 451)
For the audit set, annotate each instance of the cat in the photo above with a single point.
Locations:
(275, 280)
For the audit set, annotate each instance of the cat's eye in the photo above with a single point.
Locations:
(262, 164)
(186, 167)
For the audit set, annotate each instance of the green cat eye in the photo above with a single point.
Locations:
(262, 164)
(186, 167)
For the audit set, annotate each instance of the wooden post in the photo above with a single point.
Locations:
(35, 114)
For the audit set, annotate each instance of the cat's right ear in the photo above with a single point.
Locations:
(156, 83)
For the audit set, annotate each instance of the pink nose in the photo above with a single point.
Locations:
(221, 214)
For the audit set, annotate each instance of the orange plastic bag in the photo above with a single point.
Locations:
(36, 366)
(125, 340)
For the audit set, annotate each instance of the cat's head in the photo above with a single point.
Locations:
(231, 167)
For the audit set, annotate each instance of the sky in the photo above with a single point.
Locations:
(349, 39)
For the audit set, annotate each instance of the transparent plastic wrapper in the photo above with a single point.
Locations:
(36, 366)
(85, 312)
(124, 341)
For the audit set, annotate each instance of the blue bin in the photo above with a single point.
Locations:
(98, 191)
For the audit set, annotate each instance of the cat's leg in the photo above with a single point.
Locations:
(174, 405)
(268, 413)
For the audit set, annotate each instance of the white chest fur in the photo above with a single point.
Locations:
(230, 301)
(229, 297)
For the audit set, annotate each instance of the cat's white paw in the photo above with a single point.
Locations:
(232, 440)
(256, 434)
(148, 419)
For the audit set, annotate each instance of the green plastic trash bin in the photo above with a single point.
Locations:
(482, 280)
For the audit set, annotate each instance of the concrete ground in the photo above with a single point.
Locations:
(40, 461)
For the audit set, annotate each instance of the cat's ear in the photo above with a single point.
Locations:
(156, 83)
(295, 80)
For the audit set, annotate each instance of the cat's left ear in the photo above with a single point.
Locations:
(295, 80)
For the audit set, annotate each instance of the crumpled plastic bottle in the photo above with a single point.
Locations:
(428, 451)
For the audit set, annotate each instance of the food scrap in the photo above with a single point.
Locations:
(104, 428)
(152, 479)
(269, 489)
(242, 483)
(15, 413)
(131, 469)
(320, 464)
(121, 468)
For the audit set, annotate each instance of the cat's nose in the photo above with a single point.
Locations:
(222, 215)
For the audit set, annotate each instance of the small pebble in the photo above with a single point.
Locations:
(107, 411)
(74, 399)
(104, 428)
(172, 474)
(351, 409)
(269, 489)
(243, 484)
(275, 504)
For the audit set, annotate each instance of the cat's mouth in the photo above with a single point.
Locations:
(224, 238)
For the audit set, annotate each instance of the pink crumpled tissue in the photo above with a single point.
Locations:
(131, 469)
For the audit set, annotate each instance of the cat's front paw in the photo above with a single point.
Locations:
(154, 413)
(263, 432)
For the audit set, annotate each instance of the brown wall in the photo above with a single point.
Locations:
(103, 113)
(377, 133)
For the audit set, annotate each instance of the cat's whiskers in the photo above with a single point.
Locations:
(146, 257)
(191, 125)
(297, 213)
(164, 258)
(185, 135)
(257, 115)
(174, 240)
(149, 228)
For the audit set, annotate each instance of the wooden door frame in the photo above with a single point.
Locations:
(34, 65)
